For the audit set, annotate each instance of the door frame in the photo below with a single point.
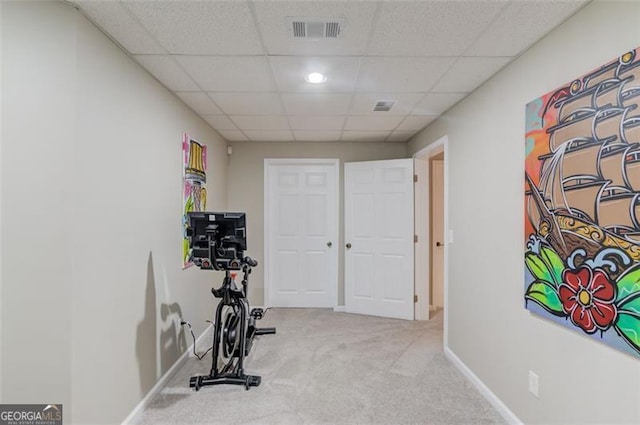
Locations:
(269, 163)
(422, 248)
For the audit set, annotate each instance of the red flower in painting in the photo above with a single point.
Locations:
(587, 297)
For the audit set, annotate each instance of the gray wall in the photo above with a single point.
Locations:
(38, 100)
(581, 380)
(0, 205)
(92, 285)
(246, 189)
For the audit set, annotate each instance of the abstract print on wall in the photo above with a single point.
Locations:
(194, 198)
(582, 204)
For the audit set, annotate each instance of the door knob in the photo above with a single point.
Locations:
(329, 244)
(439, 243)
(348, 246)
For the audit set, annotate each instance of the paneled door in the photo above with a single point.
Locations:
(301, 232)
(379, 238)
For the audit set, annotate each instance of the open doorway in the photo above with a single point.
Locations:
(430, 226)
(436, 233)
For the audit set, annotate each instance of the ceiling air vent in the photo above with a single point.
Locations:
(384, 105)
(315, 28)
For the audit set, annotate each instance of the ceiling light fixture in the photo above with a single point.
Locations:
(315, 78)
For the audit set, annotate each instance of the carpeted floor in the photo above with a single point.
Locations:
(324, 367)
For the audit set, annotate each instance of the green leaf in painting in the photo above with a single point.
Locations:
(538, 268)
(629, 283)
(628, 327)
(553, 260)
(546, 296)
(631, 304)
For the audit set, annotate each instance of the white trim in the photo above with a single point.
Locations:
(495, 401)
(426, 152)
(155, 390)
(269, 162)
(339, 309)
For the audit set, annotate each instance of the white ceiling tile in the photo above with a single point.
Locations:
(368, 123)
(220, 122)
(400, 136)
(520, 25)
(214, 56)
(248, 103)
(290, 71)
(167, 71)
(401, 74)
(261, 122)
(278, 39)
(316, 103)
(430, 28)
(363, 103)
(200, 27)
(270, 136)
(199, 102)
(233, 135)
(238, 73)
(469, 73)
(306, 123)
(437, 103)
(416, 123)
(365, 136)
(116, 21)
(317, 136)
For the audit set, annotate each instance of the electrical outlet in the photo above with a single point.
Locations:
(533, 384)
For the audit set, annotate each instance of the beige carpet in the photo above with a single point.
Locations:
(324, 367)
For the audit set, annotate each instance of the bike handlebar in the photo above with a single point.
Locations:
(250, 261)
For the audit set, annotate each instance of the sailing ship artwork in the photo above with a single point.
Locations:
(582, 204)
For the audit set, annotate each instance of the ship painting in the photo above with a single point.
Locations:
(582, 204)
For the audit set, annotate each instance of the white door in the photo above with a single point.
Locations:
(379, 238)
(301, 233)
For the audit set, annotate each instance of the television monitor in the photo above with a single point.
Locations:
(217, 240)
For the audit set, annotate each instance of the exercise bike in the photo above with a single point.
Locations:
(217, 241)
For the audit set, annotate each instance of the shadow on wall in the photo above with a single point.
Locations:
(146, 348)
(172, 337)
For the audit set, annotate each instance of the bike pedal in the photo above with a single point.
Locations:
(257, 313)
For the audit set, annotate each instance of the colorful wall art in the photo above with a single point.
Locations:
(582, 204)
(194, 198)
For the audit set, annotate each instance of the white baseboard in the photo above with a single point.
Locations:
(339, 309)
(134, 415)
(504, 411)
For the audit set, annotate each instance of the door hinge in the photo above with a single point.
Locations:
(415, 238)
(415, 298)
(415, 178)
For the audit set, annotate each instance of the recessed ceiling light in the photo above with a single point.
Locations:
(316, 78)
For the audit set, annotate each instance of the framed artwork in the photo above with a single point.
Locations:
(582, 204)
(194, 180)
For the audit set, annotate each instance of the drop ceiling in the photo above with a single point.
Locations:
(238, 65)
